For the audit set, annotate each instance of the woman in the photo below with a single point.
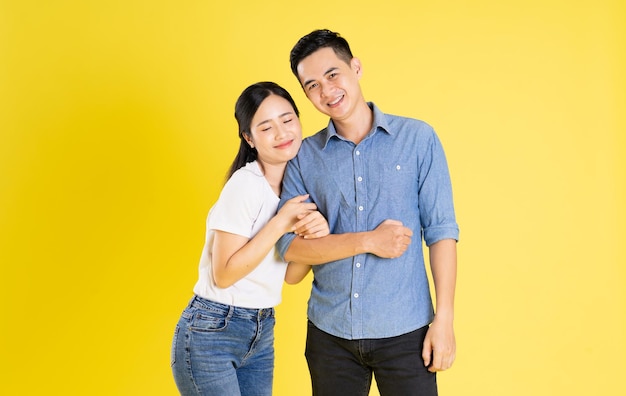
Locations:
(223, 342)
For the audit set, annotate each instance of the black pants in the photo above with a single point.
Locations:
(344, 367)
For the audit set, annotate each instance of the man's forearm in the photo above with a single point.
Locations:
(443, 263)
(389, 240)
(329, 248)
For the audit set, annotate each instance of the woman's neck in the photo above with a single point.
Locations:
(273, 173)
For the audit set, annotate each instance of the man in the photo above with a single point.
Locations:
(371, 312)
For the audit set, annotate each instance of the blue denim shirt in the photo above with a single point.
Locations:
(398, 171)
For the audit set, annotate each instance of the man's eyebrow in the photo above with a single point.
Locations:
(332, 69)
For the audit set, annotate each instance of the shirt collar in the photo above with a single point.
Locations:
(380, 121)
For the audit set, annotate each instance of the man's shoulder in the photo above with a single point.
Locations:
(321, 134)
(395, 121)
(315, 141)
(408, 130)
(405, 121)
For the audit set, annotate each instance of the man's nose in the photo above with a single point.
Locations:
(326, 89)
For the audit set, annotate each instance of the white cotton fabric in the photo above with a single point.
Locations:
(246, 203)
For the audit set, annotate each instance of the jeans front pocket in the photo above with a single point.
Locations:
(208, 321)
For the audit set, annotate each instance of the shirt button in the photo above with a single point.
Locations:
(358, 265)
(360, 208)
(356, 295)
(398, 167)
(359, 178)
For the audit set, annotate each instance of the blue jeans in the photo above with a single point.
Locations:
(223, 350)
(344, 367)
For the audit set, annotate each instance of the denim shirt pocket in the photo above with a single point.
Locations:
(399, 181)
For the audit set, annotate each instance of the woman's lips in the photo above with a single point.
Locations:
(284, 145)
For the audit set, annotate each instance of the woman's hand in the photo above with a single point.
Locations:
(303, 219)
(311, 225)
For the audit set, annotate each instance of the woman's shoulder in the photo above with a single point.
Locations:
(249, 173)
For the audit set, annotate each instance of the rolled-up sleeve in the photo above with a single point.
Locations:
(292, 186)
(437, 215)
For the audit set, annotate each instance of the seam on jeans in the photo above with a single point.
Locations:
(174, 346)
(188, 359)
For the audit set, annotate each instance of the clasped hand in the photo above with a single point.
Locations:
(306, 221)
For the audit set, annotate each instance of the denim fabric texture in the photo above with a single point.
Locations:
(221, 350)
(398, 171)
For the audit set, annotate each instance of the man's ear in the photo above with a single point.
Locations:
(355, 64)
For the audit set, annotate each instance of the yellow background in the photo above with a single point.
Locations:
(116, 130)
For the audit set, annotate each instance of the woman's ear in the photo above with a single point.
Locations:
(249, 141)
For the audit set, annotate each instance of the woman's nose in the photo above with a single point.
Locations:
(281, 130)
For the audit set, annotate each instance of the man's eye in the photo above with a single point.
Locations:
(289, 120)
(312, 86)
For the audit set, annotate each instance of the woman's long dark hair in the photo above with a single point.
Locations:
(245, 109)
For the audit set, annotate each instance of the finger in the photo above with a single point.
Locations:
(315, 232)
(310, 228)
(311, 235)
(307, 208)
(300, 198)
(452, 359)
(427, 352)
(310, 208)
(437, 361)
(300, 227)
(313, 226)
(320, 232)
(306, 220)
(296, 199)
(449, 360)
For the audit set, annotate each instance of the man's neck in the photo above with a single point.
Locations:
(357, 126)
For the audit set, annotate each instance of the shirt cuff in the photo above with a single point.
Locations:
(438, 233)
(283, 244)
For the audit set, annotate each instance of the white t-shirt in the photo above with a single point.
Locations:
(246, 203)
